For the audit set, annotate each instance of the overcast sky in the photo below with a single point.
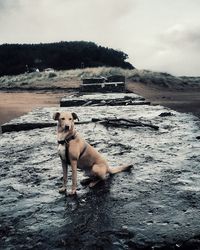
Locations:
(160, 35)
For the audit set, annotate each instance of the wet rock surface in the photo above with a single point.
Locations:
(109, 99)
(154, 205)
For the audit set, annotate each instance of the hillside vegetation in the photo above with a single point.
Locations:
(20, 58)
(72, 78)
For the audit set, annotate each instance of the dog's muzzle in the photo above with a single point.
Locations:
(66, 128)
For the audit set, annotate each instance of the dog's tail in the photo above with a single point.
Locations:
(115, 170)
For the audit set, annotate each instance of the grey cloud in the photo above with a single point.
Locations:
(177, 50)
(182, 36)
(3, 4)
(6, 5)
(133, 26)
(115, 8)
(62, 20)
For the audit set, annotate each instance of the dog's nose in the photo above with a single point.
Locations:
(66, 127)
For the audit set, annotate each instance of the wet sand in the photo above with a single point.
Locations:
(15, 104)
(185, 101)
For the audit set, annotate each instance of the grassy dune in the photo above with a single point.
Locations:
(72, 79)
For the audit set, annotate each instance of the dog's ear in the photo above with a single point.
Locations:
(56, 116)
(75, 117)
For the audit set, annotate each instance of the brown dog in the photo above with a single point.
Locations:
(75, 151)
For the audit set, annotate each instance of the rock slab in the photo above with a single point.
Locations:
(155, 205)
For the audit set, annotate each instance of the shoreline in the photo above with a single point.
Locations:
(185, 101)
(14, 103)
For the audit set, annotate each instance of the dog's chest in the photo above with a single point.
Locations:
(62, 151)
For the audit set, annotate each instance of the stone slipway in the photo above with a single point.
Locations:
(109, 99)
(156, 204)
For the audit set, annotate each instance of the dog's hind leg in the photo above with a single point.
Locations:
(99, 171)
(86, 181)
(94, 183)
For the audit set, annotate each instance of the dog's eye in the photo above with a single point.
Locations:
(70, 119)
(63, 118)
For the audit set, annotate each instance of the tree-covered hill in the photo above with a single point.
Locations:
(18, 58)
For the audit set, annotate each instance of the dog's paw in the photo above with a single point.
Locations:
(128, 167)
(62, 190)
(94, 183)
(86, 181)
(73, 192)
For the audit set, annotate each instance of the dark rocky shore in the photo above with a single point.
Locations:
(155, 205)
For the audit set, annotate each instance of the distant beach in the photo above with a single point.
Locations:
(15, 104)
(22, 93)
(186, 100)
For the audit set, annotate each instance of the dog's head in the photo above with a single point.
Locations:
(65, 120)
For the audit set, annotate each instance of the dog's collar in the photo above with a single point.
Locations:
(67, 140)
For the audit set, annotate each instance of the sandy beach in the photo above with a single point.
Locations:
(15, 104)
(186, 100)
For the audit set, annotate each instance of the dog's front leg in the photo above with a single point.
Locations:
(74, 177)
(63, 189)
